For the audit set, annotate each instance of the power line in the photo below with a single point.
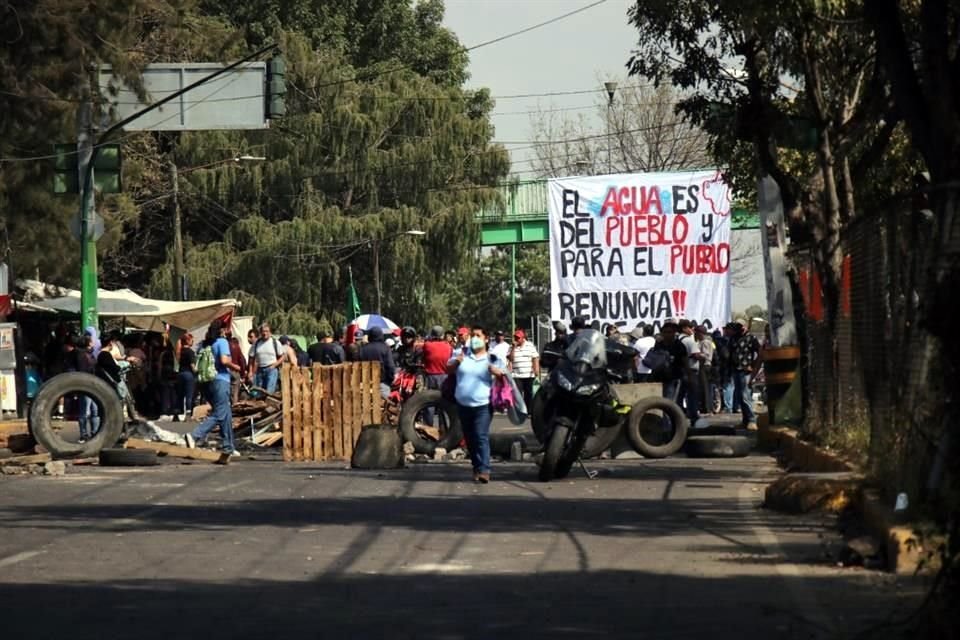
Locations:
(376, 74)
(536, 26)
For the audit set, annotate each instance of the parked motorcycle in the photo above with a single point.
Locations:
(578, 398)
(577, 413)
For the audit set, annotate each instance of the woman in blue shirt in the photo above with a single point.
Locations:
(475, 370)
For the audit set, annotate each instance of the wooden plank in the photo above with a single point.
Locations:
(10, 427)
(364, 396)
(336, 406)
(37, 458)
(375, 394)
(328, 413)
(307, 413)
(269, 439)
(347, 416)
(356, 393)
(173, 450)
(286, 391)
(297, 413)
(317, 389)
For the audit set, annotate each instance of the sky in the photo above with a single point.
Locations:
(575, 54)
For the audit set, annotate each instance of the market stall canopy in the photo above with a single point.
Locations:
(139, 312)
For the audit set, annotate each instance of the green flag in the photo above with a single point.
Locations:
(353, 302)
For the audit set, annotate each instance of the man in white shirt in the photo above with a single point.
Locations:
(266, 357)
(691, 382)
(525, 365)
(500, 346)
(643, 344)
(702, 335)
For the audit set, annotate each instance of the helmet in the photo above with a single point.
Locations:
(408, 332)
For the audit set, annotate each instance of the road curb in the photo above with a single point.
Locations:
(907, 552)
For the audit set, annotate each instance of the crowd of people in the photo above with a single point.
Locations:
(704, 371)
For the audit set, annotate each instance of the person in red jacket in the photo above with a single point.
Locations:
(436, 354)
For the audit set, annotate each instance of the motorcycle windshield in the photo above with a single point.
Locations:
(588, 346)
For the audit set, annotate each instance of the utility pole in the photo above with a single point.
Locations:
(88, 243)
(513, 287)
(611, 88)
(178, 272)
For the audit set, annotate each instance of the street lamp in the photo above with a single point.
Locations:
(375, 245)
(611, 87)
(581, 166)
(179, 275)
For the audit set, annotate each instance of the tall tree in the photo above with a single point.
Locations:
(917, 47)
(49, 47)
(808, 108)
(363, 156)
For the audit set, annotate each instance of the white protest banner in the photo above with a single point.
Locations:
(638, 247)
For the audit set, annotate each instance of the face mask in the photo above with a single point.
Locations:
(476, 343)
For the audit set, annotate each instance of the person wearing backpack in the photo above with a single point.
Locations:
(667, 361)
(266, 357)
(216, 352)
(645, 342)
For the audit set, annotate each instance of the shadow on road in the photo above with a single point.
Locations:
(608, 604)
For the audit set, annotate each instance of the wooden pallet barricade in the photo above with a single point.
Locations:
(324, 408)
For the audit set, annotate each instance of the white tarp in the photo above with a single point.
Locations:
(638, 247)
(139, 312)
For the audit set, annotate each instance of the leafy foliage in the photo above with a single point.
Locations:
(380, 138)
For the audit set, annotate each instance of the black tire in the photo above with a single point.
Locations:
(596, 444)
(538, 415)
(408, 422)
(636, 422)
(111, 415)
(554, 452)
(718, 446)
(566, 462)
(600, 440)
(128, 458)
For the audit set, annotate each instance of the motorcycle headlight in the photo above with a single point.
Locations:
(588, 389)
(565, 383)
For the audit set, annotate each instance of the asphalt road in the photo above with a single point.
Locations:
(671, 548)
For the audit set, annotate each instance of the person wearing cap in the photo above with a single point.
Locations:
(559, 342)
(218, 391)
(500, 346)
(436, 354)
(376, 350)
(525, 364)
(408, 356)
(463, 340)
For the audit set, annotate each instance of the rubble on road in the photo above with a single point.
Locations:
(259, 420)
(173, 450)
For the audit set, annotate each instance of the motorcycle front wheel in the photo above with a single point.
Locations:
(553, 453)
